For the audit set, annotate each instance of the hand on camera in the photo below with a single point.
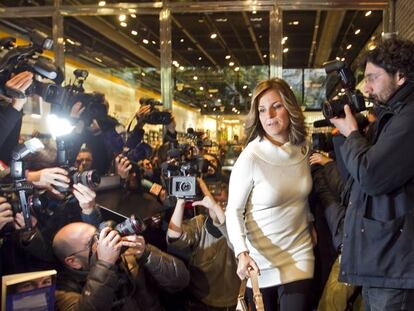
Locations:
(141, 113)
(123, 166)
(214, 209)
(136, 245)
(20, 83)
(6, 213)
(77, 110)
(109, 245)
(20, 224)
(345, 125)
(86, 198)
(319, 158)
(48, 178)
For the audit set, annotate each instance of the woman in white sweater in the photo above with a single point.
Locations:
(267, 216)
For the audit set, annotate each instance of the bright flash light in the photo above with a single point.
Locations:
(58, 126)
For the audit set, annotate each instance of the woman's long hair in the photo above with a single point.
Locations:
(297, 129)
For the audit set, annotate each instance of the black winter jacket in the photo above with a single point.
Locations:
(378, 245)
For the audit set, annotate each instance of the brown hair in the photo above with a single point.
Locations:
(297, 129)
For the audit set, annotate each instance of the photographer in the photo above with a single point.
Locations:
(11, 114)
(98, 277)
(379, 217)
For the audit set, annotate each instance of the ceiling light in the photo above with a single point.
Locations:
(368, 13)
(134, 32)
(237, 69)
(201, 88)
(98, 59)
(181, 68)
(244, 87)
(337, 58)
(343, 59)
(254, 12)
(133, 16)
(285, 50)
(213, 36)
(238, 112)
(264, 55)
(70, 41)
(221, 20)
(219, 100)
(227, 57)
(145, 41)
(211, 95)
(295, 23)
(357, 31)
(153, 42)
(371, 46)
(231, 64)
(214, 109)
(123, 24)
(201, 20)
(284, 40)
(200, 58)
(349, 46)
(195, 78)
(205, 106)
(122, 18)
(182, 40)
(256, 19)
(102, 3)
(143, 74)
(250, 94)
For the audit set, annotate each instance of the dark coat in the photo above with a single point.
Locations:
(107, 287)
(378, 245)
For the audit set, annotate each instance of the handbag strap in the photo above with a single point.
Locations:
(257, 295)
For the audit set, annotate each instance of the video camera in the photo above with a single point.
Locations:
(155, 116)
(21, 194)
(353, 98)
(17, 59)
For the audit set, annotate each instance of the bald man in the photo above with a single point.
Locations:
(98, 277)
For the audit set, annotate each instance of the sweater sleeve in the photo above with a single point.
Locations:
(241, 184)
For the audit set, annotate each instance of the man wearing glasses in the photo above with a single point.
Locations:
(378, 247)
(98, 277)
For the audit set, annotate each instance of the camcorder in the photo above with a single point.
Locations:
(88, 178)
(16, 59)
(353, 98)
(155, 116)
(20, 193)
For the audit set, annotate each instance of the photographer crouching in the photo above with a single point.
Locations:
(377, 248)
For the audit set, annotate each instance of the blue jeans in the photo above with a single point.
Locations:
(388, 299)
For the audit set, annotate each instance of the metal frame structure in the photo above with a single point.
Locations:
(166, 9)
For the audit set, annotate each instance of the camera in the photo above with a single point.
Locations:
(353, 98)
(131, 225)
(184, 186)
(155, 116)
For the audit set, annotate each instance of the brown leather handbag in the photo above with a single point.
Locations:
(257, 295)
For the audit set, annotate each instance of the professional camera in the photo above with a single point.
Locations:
(20, 193)
(89, 178)
(353, 98)
(28, 58)
(155, 116)
(131, 225)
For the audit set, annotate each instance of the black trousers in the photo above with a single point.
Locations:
(294, 296)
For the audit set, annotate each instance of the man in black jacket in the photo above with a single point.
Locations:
(378, 250)
(98, 277)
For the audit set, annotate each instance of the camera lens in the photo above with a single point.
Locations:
(88, 178)
(132, 225)
(185, 186)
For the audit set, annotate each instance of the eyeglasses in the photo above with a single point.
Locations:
(369, 78)
(89, 247)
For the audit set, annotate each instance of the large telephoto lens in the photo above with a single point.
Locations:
(132, 225)
(88, 178)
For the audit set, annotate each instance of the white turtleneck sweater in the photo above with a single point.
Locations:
(267, 212)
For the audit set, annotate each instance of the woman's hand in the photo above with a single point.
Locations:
(245, 264)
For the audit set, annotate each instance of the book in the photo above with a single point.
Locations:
(32, 291)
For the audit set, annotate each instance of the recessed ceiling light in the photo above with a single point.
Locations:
(337, 58)
(195, 78)
(201, 88)
(211, 95)
(250, 94)
(244, 87)
(284, 40)
(181, 68)
(295, 23)
(182, 40)
(123, 24)
(349, 46)
(205, 106)
(102, 3)
(368, 13)
(221, 20)
(98, 59)
(285, 50)
(153, 42)
(133, 16)
(145, 41)
(264, 55)
(219, 100)
(343, 59)
(227, 57)
(236, 68)
(122, 17)
(254, 12)
(134, 32)
(231, 64)
(357, 31)
(200, 58)
(213, 36)
(70, 41)
(143, 74)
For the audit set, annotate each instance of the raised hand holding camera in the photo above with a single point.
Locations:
(85, 196)
(346, 125)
